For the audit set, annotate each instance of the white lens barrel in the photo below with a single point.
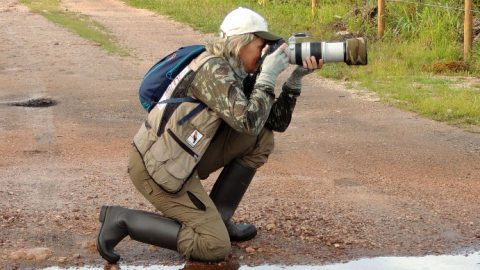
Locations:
(291, 54)
(333, 51)
(328, 51)
(306, 52)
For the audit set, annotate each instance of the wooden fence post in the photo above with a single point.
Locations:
(381, 18)
(314, 9)
(467, 30)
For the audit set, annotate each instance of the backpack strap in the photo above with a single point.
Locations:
(173, 100)
(194, 65)
(193, 112)
(200, 60)
(178, 100)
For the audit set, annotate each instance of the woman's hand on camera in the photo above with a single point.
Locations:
(312, 63)
(294, 82)
(309, 65)
(273, 65)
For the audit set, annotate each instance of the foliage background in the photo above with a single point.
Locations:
(418, 65)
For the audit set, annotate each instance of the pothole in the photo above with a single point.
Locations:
(34, 102)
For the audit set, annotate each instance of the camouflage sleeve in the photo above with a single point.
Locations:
(216, 85)
(282, 110)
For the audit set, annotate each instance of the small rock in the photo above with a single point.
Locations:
(153, 248)
(61, 259)
(17, 255)
(270, 226)
(242, 245)
(250, 250)
(90, 245)
(111, 267)
(29, 256)
(38, 254)
(336, 245)
(76, 256)
(41, 253)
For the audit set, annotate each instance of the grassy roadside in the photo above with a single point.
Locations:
(80, 24)
(417, 66)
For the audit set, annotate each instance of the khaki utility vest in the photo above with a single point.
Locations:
(171, 156)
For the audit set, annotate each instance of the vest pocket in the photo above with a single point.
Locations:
(167, 181)
(184, 157)
(158, 159)
(189, 142)
(170, 162)
(181, 144)
(171, 158)
(144, 139)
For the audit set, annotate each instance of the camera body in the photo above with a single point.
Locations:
(352, 51)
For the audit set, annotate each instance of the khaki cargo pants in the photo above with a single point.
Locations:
(203, 235)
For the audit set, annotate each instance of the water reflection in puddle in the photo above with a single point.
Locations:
(443, 262)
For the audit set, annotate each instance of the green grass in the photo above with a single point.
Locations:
(416, 38)
(80, 24)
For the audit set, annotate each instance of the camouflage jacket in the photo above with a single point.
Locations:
(246, 108)
(171, 146)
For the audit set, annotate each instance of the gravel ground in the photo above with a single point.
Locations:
(350, 178)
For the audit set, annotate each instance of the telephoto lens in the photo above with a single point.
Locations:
(352, 51)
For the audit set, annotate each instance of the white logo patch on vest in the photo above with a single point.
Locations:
(194, 138)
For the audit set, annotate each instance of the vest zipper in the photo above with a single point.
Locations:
(181, 144)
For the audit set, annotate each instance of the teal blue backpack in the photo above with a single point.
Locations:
(159, 77)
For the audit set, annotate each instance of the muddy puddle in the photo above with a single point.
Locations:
(32, 102)
(442, 262)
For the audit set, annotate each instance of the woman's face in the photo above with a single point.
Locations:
(250, 54)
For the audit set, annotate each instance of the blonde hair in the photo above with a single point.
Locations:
(229, 47)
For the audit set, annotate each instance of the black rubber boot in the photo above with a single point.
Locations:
(118, 222)
(226, 194)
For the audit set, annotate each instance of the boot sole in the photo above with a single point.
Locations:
(245, 238)
(101, 218)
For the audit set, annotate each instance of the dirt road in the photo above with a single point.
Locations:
(350, 178)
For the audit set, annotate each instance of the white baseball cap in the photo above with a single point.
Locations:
(243, 21)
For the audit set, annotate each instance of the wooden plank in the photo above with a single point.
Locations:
(467, 30)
